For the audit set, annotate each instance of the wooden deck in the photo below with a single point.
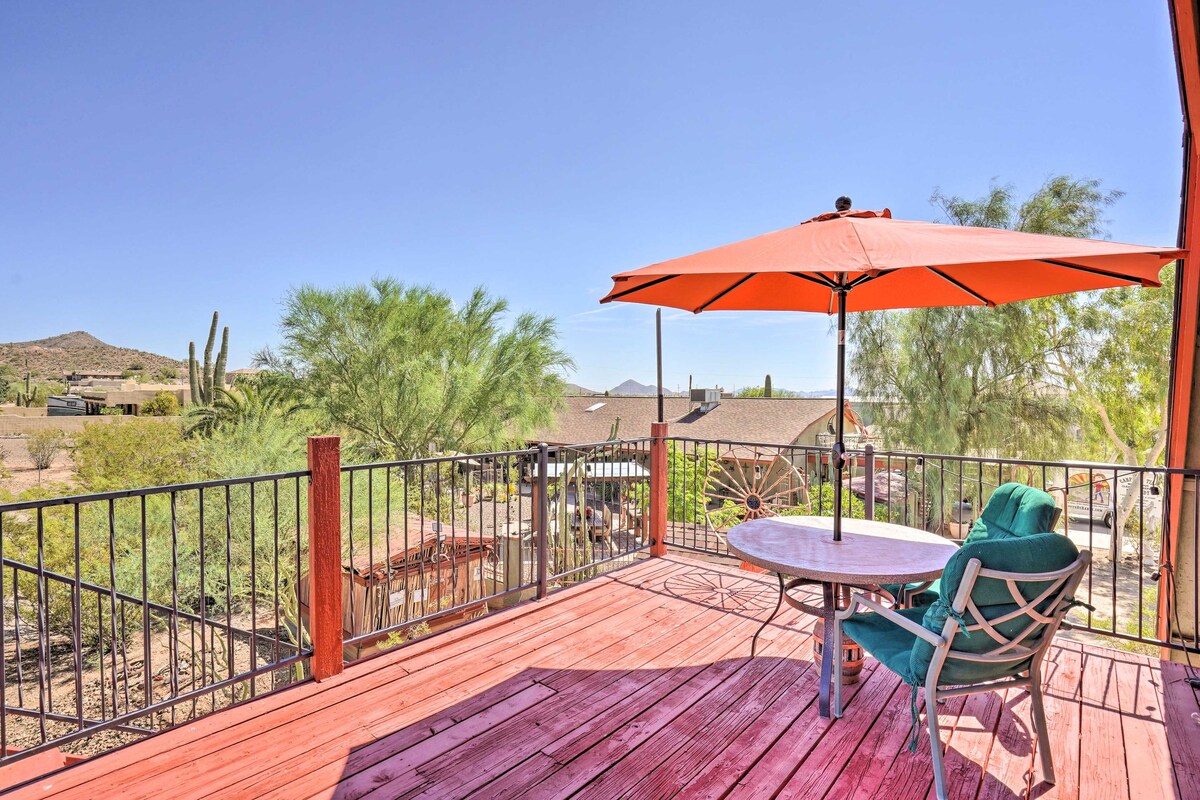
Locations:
(638, 685)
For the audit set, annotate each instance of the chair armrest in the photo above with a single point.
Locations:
(920, 631)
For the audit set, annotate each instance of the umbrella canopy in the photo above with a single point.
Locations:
(866, 261)
(887, 263)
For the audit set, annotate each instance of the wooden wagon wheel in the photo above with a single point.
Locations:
(771, 485)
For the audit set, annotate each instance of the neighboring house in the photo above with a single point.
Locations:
(129, 397)
(749, 435)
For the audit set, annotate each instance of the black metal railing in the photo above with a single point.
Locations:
(125, 613)
(1118, 512)
(431, 542)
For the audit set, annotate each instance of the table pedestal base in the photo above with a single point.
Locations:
(834, 596)
(852, 654)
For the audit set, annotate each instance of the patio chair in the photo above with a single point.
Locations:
(1009, 597)
(1013, 510)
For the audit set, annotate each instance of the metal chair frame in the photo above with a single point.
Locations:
(1027, 644)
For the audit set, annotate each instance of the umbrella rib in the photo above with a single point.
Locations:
(860, 280)
(1103, 272)
(962, 286)
(637, 288)
(828, 284)
(722, 293)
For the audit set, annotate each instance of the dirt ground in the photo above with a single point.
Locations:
(22, 475)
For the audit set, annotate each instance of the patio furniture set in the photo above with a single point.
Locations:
(951, 620)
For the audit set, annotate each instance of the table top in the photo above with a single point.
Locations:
(870, 552)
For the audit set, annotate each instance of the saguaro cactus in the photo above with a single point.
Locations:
(204, 383)
(767, 386)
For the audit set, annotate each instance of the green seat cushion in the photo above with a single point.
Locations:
(887, 642)
(1045, 552)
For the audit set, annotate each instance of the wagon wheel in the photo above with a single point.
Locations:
(757, 489)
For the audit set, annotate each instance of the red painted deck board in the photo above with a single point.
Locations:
(639, 685)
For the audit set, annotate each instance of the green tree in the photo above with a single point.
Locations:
(7, 376)
(132, 454)
(163, 404)
(1118, 372)
(405, 370)
(977, 380)
(44, 446)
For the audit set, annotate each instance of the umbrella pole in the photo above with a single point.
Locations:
(839, 447)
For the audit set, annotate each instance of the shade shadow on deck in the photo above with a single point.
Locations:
(638, 684)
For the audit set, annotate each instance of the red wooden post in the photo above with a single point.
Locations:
(325, 555)
(658, 489)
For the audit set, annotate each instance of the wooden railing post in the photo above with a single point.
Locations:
(325, 555)
(658, 488)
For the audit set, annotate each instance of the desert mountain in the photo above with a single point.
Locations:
(49, 358)
(633, 387)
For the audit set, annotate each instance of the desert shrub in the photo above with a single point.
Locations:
(44, 446)
(132, 455)
(163, 404)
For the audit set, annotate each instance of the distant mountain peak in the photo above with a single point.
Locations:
(75, 340)
(52, 357)
(632, 387)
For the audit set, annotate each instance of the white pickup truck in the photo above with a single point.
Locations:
(1090, 496)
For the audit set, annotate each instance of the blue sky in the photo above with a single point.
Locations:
(162, 160)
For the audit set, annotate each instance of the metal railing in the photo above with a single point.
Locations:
(125, 613)
(431, 542)
(1117, 512)
(128, 612)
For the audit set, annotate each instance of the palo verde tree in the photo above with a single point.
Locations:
(1117, 371)
(212, 376)
(406, 370)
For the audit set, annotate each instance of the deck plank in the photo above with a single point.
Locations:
(1100, 729)
(1181, 702)
(1063, 699)
(398, 730)
(213, 733)
(639, 685)
(1147, 755)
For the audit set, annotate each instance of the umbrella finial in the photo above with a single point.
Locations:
(843, 203)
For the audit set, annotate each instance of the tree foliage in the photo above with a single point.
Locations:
(44, 446)
(163, 404)
(405, 370)
(977, 380)
(132, 455)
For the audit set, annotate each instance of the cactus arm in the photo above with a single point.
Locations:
(193, 378)
(207, 378)
(222, 357)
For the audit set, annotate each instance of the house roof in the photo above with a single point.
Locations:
(415, 543)
(773, 420)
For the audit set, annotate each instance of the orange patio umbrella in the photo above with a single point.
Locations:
(851, 260)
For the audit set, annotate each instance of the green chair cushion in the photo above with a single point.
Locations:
(1045, 552)
(887, 642)
(1013, 510)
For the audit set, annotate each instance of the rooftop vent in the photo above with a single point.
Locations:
(707, 398)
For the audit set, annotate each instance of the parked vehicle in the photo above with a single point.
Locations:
(1090, 495)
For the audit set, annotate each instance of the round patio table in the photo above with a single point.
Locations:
(869, 555)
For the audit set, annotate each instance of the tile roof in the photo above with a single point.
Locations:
(773, 420)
